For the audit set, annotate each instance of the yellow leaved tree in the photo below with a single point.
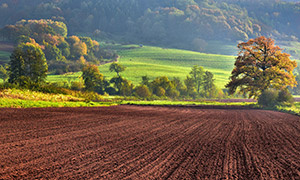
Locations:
(261, 65)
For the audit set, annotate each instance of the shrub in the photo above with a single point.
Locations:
(268, 98)
(142, 91)
(285, 97)
(173, 93)
(159, 91)
(76, 86)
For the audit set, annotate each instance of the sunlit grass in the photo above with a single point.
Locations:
(25, 94)
(156, 61)
(19, 103)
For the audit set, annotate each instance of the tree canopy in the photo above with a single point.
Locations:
(116, 67)
(28, 64)
(261, 65)
(63, 54)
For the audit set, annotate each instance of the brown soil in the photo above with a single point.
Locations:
(140, 142)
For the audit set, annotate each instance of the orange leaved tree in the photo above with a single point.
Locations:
(261, 65)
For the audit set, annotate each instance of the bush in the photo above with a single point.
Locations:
(268, 98)
(77, 86)
(285, 97)
(142, 91)
(271, 98)
(173, 93)
(159, 91)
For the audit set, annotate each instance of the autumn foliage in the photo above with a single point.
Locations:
(261, 65)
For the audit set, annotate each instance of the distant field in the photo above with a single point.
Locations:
(156, 61)
(4, 57)
(5, 51)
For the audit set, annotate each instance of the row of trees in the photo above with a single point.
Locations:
(28, 68)
(199, 83)
(63, 54)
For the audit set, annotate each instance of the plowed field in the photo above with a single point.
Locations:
(133, 142)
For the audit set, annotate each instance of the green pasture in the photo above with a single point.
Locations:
(4, 57)
(156, 61)
(20, 103)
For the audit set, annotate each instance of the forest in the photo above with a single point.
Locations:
(186, 24)
(63, 53)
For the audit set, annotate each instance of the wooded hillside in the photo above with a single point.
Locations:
(176, 23)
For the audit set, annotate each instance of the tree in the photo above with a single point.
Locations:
(52, 52)
(145, 80)
(190, 86)
(261, 65)
(143, 91)
(4, 72)
(116, 67)
(28, 64)
(208, 84)
(197, 75)
(92, 78)
(126, 88)
(123, 86)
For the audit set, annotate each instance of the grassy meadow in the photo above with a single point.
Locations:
(17, 98)
(156, 61)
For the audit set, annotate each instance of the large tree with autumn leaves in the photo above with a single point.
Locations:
(261, 65)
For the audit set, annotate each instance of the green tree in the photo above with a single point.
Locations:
(28, 64)
(197, 74)
(93, 79)
(261, 65)
(117, 82)
(208, 84)
(145, 80)
(160, 85)
(116, 67)
(143, 91)
(178, 84)
(4, 72)
(123, 86)
(77, 47)
(126, 88)
(52, 52)
(190, 86)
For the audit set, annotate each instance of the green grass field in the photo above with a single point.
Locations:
(156, 61)
(18, 98)
(4, 57)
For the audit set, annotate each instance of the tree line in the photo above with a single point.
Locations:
(28, 68)
(198, 84)
(63, 53)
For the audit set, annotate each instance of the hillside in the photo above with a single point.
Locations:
(183, 24)
(156, 61)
